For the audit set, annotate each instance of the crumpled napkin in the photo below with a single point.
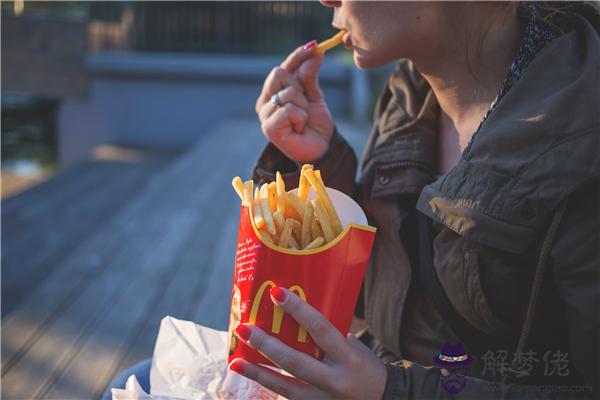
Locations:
(190, 362)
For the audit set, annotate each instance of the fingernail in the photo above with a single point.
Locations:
(237, 366)
(243, 332)
(310, 45)
(278, 295)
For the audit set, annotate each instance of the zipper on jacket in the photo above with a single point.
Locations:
(404, 164)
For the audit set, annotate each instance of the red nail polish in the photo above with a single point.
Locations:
(310, 45)
(237, 366)
(243, 332)
(278, 294)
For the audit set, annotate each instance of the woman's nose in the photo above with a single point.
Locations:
(332, 4)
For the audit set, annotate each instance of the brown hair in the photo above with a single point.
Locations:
(559, 14)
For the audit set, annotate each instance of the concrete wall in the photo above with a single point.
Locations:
(172, 99)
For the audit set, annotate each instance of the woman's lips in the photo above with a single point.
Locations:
(347, 40)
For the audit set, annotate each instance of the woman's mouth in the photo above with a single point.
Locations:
(347, 40)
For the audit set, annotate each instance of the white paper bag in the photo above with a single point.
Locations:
(190, 362)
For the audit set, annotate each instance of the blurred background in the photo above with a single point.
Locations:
(122, 126)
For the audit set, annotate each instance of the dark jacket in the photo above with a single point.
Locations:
(491, 214)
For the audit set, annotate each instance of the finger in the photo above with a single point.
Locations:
(308, 74)
(324, 334)
(289, 94)
(292, 94)
(283, 120)
(296, 58)
(277, 80)
(301, 365)
(287, 386)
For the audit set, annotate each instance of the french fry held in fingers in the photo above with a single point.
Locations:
(329, 44)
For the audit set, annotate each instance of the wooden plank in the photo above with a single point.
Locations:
(29, 320)
(163, 194)
(54, 349)
(200, 256)
(142, 316)
(77, 218)
(57, 183)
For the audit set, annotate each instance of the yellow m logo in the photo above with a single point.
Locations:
(277, 311)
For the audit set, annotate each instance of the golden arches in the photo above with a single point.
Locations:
(277, 311)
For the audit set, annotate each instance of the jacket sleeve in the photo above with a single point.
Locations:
(337, 165)
(576, 269)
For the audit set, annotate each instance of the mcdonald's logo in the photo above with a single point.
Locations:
(277, 311)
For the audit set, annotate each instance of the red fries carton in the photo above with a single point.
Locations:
(328, 278)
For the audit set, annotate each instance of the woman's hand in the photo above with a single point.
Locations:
(348, 370)
(301, 125)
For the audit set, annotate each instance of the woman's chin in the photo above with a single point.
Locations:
(363, 61)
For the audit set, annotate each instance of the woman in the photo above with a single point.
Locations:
(505, 167)
(483, 184)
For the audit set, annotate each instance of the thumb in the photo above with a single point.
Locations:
(308, 74)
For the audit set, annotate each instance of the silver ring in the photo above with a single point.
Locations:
(275, 100)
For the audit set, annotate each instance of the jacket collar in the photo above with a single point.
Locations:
(538, 146)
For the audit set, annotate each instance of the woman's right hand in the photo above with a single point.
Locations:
(301, 126)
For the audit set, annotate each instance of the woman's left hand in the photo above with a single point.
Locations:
(348, 370)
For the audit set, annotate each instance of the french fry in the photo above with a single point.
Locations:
(259, 221)
(294, 244)
(326, 202)
(280, 183)
(296, 203)
(238, 186)
(315, 229)
(329, 44)
(273, 196)
(267, 236)
(279, 220)
(281, 202)
(296, 228)
(266, 209)
(306, 223)
(303, 186)
(286, 234)
(289, 219)
(324, 220)
(315, 243)
(248, 190)
(318, 175)
(280, 192)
